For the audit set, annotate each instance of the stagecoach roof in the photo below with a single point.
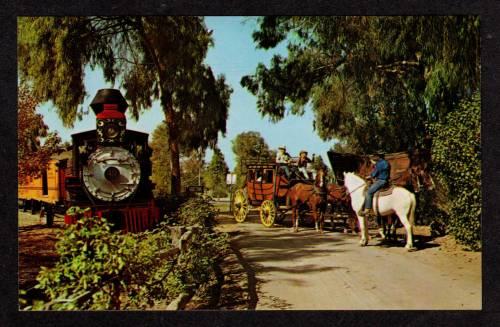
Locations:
(259, 164)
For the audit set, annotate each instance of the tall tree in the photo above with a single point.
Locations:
(249, 146)
(373, 82)
(153, 58)
(192, 167)
(32, 156)
(215, 174)
(160, 161)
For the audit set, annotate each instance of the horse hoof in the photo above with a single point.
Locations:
(411, 249)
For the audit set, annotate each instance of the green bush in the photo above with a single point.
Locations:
(197, 211)
(89, 272)
(101, 270)
(456, 155)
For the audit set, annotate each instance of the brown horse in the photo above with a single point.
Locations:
(338, 196)
(313, 195)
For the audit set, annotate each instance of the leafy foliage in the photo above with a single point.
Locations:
(373, 82)
(192, 167)
(153, 58)
(456, 156)
(197, 211)
(191, 163)
(160, 160)
(99, 269)
(32, 156)
(215, 174)
(249, 146)
(90, 269)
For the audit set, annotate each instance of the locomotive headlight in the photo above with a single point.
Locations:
(111, 131)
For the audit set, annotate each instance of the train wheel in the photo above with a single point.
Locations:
(268, 213)
(240, 206)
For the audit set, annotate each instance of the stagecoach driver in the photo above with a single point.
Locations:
(283, 159)
(380, 174)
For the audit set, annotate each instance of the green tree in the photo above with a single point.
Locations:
(456, 153)
(215, 174)
(32, 156)
(192, 167)
(152, 58)
(373, 82)
(160, 160)
(191, 163)
(249, 146)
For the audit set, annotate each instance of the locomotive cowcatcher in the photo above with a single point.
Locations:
(110, 168)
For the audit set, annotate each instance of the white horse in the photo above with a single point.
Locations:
(401, 202)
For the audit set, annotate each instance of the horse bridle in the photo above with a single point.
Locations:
(350, 192)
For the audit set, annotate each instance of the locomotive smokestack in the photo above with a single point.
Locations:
(108, 96)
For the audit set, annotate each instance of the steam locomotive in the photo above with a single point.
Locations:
(110, 168)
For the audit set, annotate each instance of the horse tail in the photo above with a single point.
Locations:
(413, 205)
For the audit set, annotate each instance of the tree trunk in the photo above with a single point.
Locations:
(168, 109)
(175, 166)
(175, 185)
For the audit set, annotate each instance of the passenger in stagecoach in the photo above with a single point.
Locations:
(303, 163)
(380, 176)
(283, 159)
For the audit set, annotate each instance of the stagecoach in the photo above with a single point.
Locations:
(265, 187)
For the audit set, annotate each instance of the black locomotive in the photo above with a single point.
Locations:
(110, 168)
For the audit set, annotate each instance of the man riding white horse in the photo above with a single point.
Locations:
(380, 174)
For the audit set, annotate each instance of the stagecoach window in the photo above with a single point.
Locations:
(250, 175)
(268, 176)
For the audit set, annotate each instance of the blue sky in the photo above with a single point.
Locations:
(234, 55)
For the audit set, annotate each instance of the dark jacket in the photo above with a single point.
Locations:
(382, 170)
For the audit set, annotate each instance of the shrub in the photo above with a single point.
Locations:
(88, 273)
(456, 154)
(197, 211)
(101, 270)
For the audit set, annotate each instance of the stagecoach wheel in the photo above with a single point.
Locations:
(268, 213)
(240, 206)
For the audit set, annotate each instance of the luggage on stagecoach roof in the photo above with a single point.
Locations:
(108, 96)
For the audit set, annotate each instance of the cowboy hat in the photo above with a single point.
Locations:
(303, 151)
(282, 147)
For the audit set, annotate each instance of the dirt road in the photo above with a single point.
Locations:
(306, 270)
(36, 246)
